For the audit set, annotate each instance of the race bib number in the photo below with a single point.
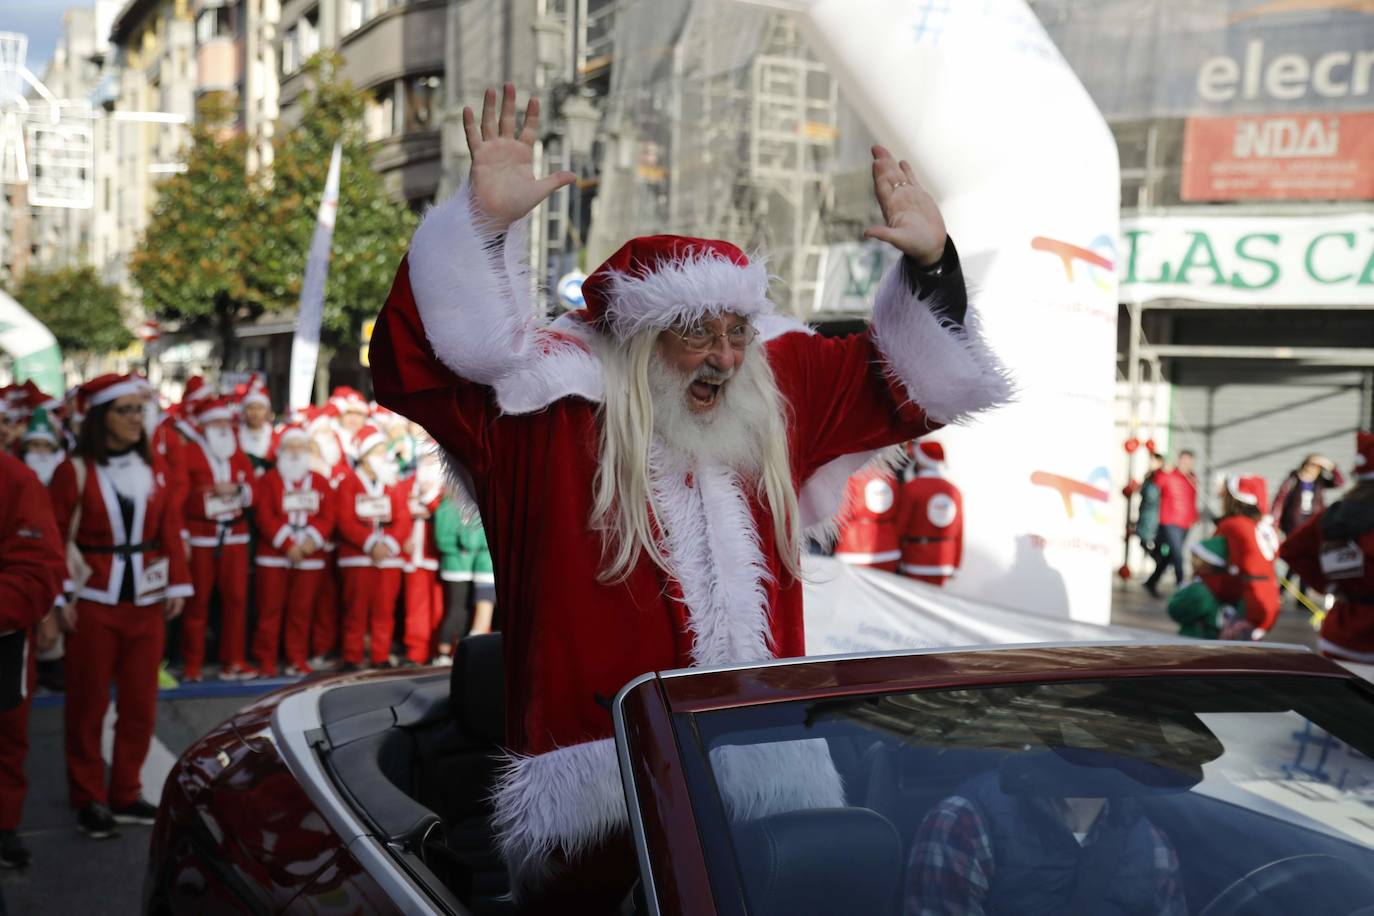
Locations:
(154, 578)
(305, 501)
(941, 510)
(1267, 537)
(373, 508)
(878, 496)
(1342, 561)
(218, 507)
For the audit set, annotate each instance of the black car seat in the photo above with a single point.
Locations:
(457, 769)
(821, 862)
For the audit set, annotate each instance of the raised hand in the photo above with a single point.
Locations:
(912, 221)
(504, 186)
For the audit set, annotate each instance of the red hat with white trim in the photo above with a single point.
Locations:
(1364, 455)
(1249, 489)
(929, 455)
(105, 388)
(255, 392)
(208, 410)
(348, 400)
(287, 434)
(368, 438)
(661, 280)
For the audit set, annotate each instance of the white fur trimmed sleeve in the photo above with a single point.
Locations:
(946, 368)
(472, 290)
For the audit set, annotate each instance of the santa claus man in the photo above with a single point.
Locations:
(351, 411)
(930, 522)
(374, 521)
(645, 468)
(424, 597)
(219, 491)
(294, 509)
(1252, 544)
(868, 534)
(255, 432)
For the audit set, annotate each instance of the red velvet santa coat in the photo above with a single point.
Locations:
(931, 525)
(357, 535)
(514, 405)
(32, 562)
(157, 520)
(203, 472)
(279, 530)
(1251, 547)
(1348, 629)
(420, 551)
(868, 536)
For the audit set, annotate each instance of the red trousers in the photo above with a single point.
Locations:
(291, 590)
(369, 606)
(228, 575)
(424, 609)
(14, 747)
(119, 644)
(324, 632)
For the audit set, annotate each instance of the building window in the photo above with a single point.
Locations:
(423, 101)
(213, 23)
(291, 51)
(379, 117)
(353, 15)
(310, 34)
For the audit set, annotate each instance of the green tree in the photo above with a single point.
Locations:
(193, 261)
(372, 231)
(84, 313)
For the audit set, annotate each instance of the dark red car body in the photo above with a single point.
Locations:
(244, 826)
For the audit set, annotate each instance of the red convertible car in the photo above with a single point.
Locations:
(1205, 778)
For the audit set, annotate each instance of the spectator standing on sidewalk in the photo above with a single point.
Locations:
(1147, 514)
(1177, 514)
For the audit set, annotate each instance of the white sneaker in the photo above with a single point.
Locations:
(442, 661)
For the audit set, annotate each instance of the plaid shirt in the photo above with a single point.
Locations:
(952, 866)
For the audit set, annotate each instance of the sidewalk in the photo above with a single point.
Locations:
(1132, 606)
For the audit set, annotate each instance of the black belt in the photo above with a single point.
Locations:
(924, 540)
(123, 550)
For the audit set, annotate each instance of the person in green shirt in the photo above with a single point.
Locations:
(1195, 606)
(466, 571)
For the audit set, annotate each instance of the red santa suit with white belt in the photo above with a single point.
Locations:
(514, 403)
(129, 534)
(868, 535)
(288, 513)
(370, 588)
(1251, 547)
(931, 520)
(424, 597)
(218, 529)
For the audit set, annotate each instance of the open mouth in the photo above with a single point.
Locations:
(704, 394)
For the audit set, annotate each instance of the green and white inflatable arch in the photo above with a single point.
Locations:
(34, 349)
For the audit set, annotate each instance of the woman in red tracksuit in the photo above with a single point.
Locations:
(129, 534)
(1334, 551)
(295, 514)
(374, 521)
(1252, 543)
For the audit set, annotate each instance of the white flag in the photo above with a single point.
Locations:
(305, 346)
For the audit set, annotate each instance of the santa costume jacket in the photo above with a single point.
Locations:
(514, 404)
(282, 529)
(203, 472)
(357, 536)
(930, 523)
(108, 547)
(868, 534)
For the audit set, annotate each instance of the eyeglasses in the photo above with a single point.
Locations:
(698, 338)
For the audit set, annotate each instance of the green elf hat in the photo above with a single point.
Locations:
(1212, 552)
(40, 428)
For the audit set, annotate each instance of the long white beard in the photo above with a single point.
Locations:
(131, 476)
(730, 434)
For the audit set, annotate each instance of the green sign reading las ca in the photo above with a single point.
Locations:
(1253, 259)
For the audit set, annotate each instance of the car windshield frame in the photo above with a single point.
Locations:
(698, 730)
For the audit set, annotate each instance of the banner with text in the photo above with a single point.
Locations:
(1240, 260)
(1279, 157)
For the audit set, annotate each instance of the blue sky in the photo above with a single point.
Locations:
(41, 20)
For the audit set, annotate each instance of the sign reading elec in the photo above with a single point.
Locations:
(1285, 77)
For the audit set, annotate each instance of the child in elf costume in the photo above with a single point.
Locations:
(1195, 606)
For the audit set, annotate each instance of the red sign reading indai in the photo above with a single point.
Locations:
(1279, 157)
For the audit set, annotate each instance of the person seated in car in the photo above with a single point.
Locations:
(984, 850)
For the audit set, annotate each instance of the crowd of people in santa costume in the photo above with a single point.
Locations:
(323, 540)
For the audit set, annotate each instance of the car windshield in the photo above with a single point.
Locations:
(1145, 795)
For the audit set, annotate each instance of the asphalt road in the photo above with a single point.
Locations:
(73, 875)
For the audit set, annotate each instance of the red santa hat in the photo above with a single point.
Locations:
(661, 280)
(255, 392)
(928, 455)
(344, 400)
(368, 438)
(1249, 489)
(1364, 455)
(287, 434)
(105, 388)
(208, 410)
(321, 417)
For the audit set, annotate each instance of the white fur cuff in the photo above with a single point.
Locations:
(949, 371)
